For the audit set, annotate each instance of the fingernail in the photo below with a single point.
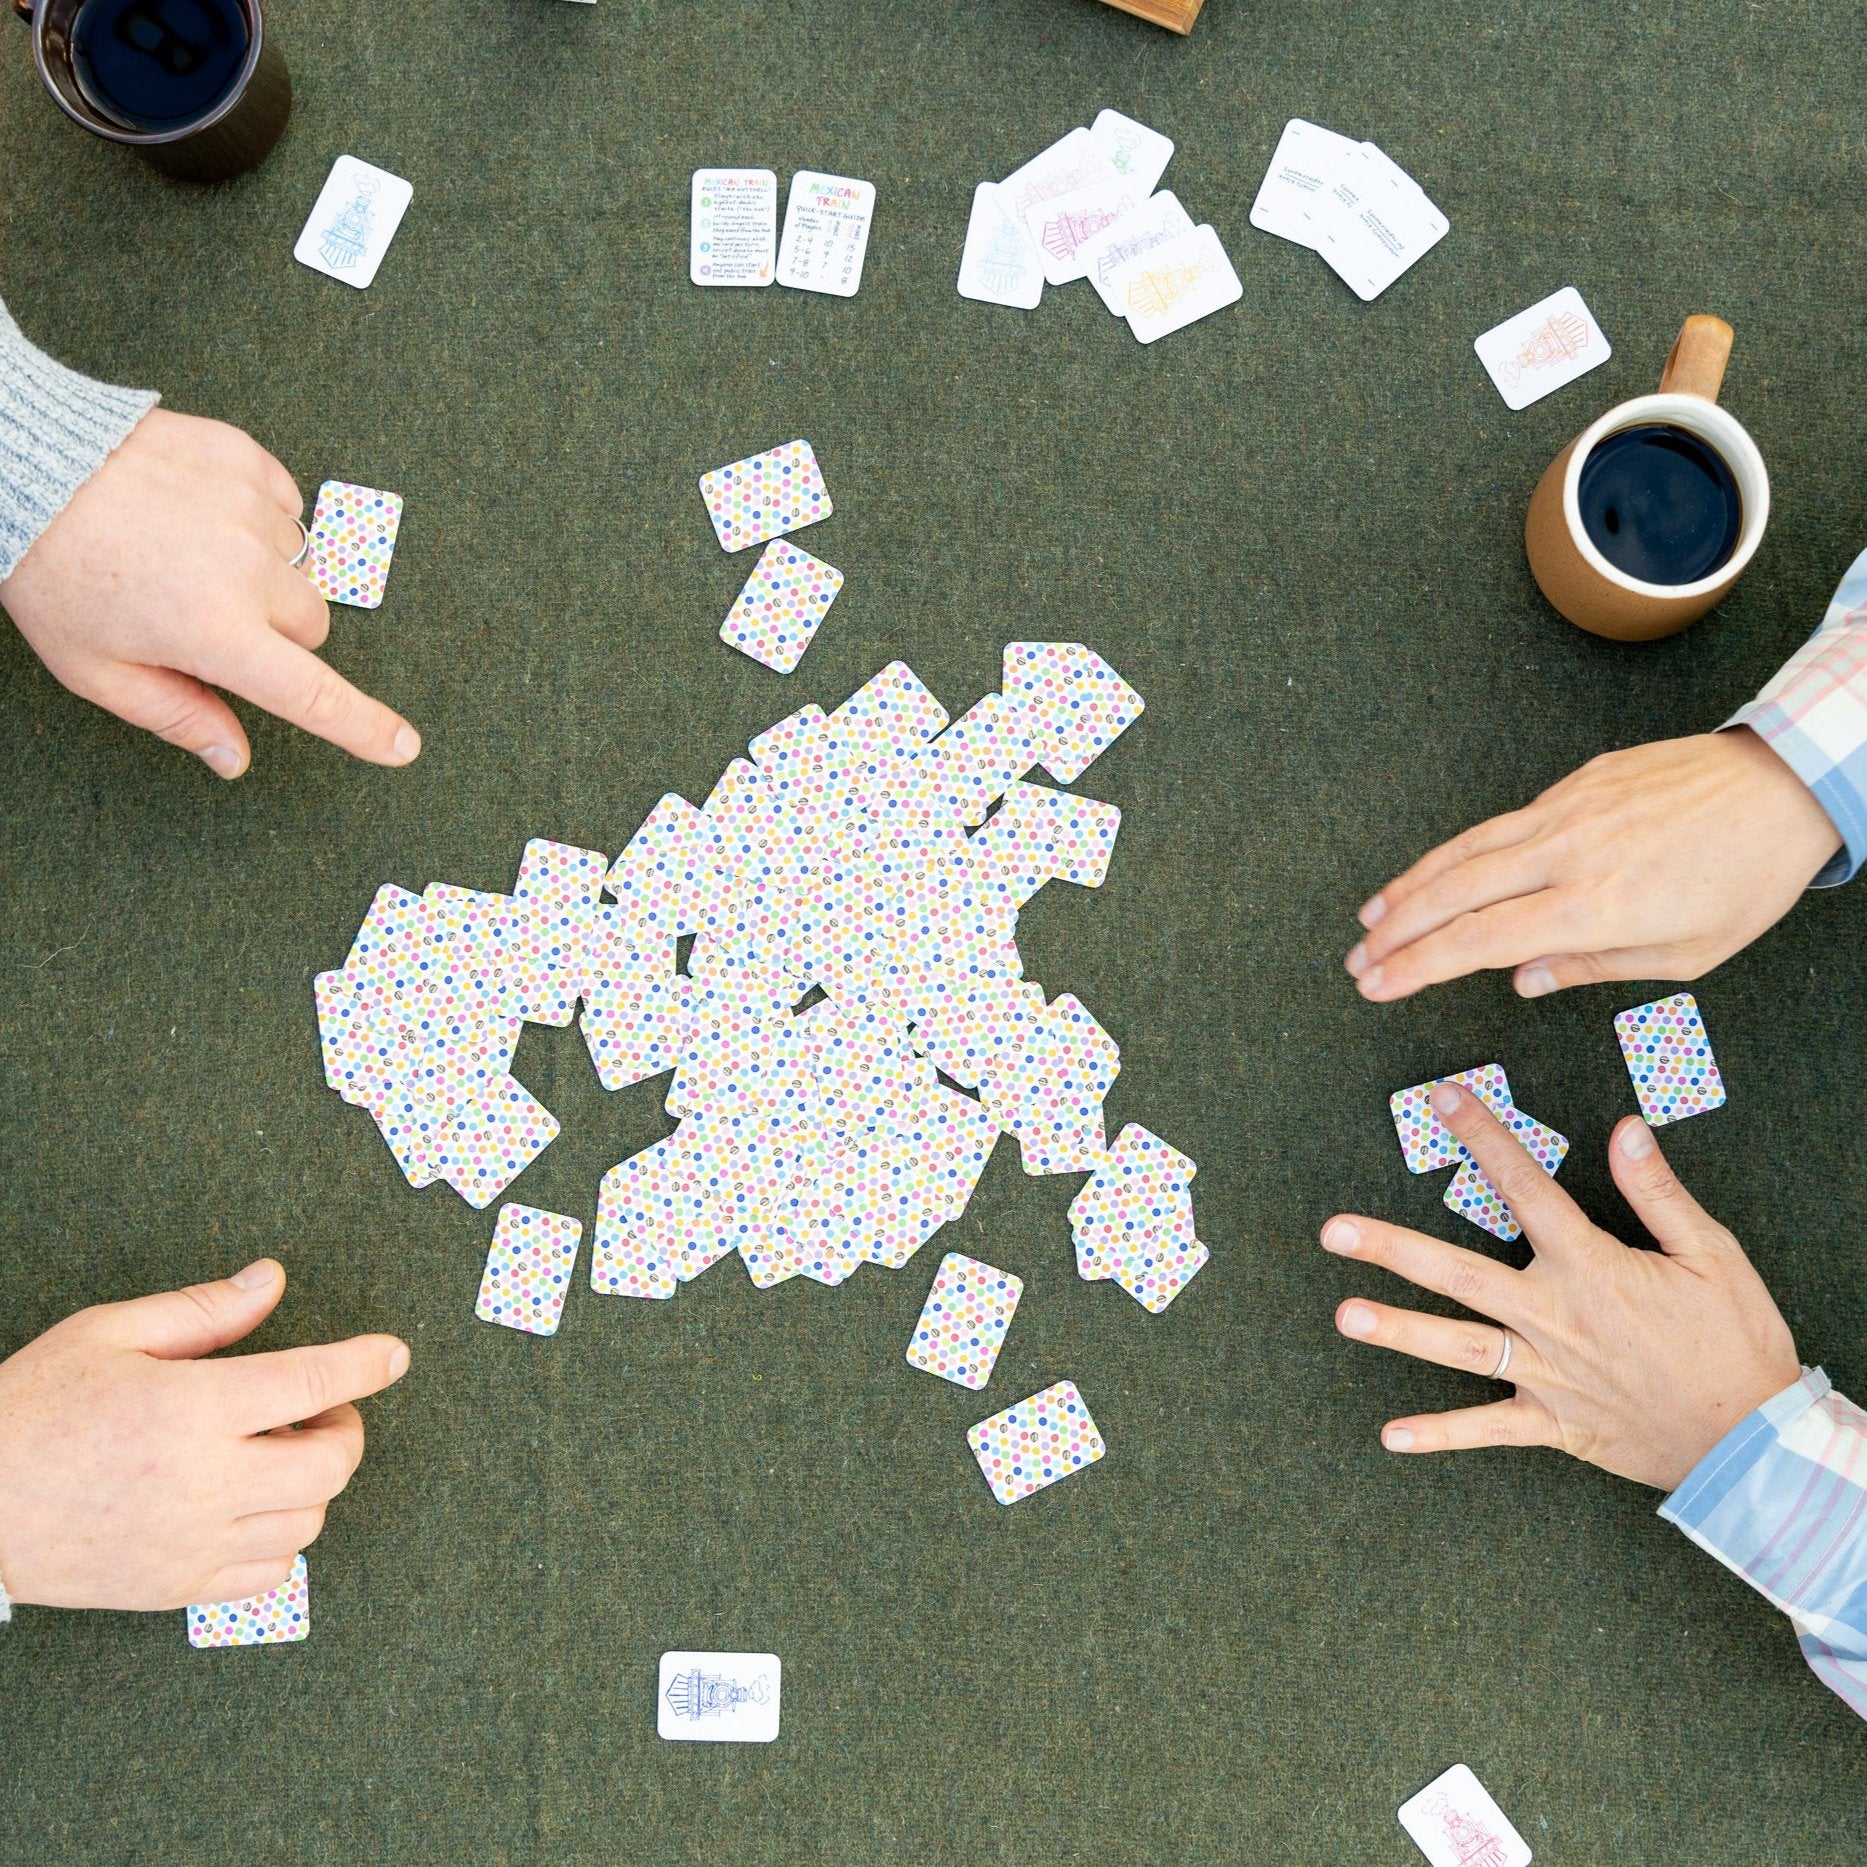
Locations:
(256, 1276)
(1636, 1140)
(1340, 1235)
(1535, 981)
(1397, 1439)
(1371, 980)
(1357, 961)
(222, 759)
(1357, 1319)
(1371, 911)
(398, 1361)
(1446, 1098)
(407, 743)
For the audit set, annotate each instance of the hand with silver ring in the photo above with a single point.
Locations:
(174, 571)
(1636, 1361)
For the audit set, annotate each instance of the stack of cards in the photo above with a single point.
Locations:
(1428, 1144)
(733, 236)
(1349, 202)
(1133, 1221)
(1086, 209)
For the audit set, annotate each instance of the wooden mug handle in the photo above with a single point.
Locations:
(1696, 366)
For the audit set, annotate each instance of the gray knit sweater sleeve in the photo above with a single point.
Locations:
(56, 429)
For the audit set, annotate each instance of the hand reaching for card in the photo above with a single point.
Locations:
(1658, 862)
(169, 574)
(134, 1475)
(1637, 1361)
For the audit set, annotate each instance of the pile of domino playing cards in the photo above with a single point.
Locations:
(1349, 202)
(1669, 1061)
(1086, 209)
(733, 234)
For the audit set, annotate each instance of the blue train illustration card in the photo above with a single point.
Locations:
(718, 1698)
(355, 219)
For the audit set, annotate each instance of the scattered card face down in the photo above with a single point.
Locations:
(765, 495)
(1541, 349)
(964, 1321)
(353, 221)
(353, 533)
(733, 227)
(1471, 1194)
(718, 1698)
(1454, 1823)
(1133, 1220)
(999, 265)
(1036, 1442)
(782, 606)
(1669, 1058)
(826, 233)
(279, 1615)
(528, 1269)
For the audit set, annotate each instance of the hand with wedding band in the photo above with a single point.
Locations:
(1636, 1361)
(173, 571)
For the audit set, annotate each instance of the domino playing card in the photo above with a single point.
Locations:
(782, 606)
(1424, 1139)
(1454, 1823)
(1062, 226)
(528, 1269)
(353, 533)
(1373, 221)
(1306, 157)
(999, 265)
(1135, 152)
(1075, 705)
(1541, 349)
(279, 1615)
(765, 496)
(1669, 1058)
(1035, 1442)
(1074, 161)
(1471, 1194)
(963, 1322)
(352, 222)
(826, 233)
(481, 1151)
(1176, 284)
(733, 227)
(718, 1698)
(1109, 253)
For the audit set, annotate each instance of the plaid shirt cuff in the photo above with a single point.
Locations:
(1781, 1500)
(1813, 716)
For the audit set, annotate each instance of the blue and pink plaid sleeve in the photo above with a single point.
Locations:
(1781, 1500)
(1813, 715)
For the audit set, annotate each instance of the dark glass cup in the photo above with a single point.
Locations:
(232, 134)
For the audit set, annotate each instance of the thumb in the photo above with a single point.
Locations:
(181, 1325)
(1679, 1224)
(1556, 972)
(180, 710)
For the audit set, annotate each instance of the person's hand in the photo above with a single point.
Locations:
(170, 573)
(1658, 862)
(134, 1476)
(1637, 1361)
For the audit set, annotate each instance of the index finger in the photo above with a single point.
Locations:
(289, 680)
(1551, 1220)
(291, 1385)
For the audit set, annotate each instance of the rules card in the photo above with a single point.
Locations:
(1374, 222)
(1177, 284)
(1454, 1823)
(999, 265)
(353, 221)
(1307, 155)
(826, 233)
(1541, 349)
(734, 227)
(718, 1698)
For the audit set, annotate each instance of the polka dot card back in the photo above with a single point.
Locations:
(268, 1620)
(353, 532)
(1425, 1140)
(765, 495)
(1669, 1058)
(782, 606)
(1471, 1194)
(528, 1269)
(962, 1326)
(1036, 1442)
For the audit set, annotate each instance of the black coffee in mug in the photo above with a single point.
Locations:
(1660, 504)
(157, 64)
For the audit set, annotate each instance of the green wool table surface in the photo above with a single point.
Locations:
(1248, 1633)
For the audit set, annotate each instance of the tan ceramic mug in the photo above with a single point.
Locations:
(1570, 570)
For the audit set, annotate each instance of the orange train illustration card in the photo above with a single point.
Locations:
(1541, 349)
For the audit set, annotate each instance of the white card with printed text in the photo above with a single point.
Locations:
(1305, 157)
(1541, 349)
(733, 237)
(826, 233)
(355, 218)
(718, 1698)
(1374, 221)
(1454, 1823)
